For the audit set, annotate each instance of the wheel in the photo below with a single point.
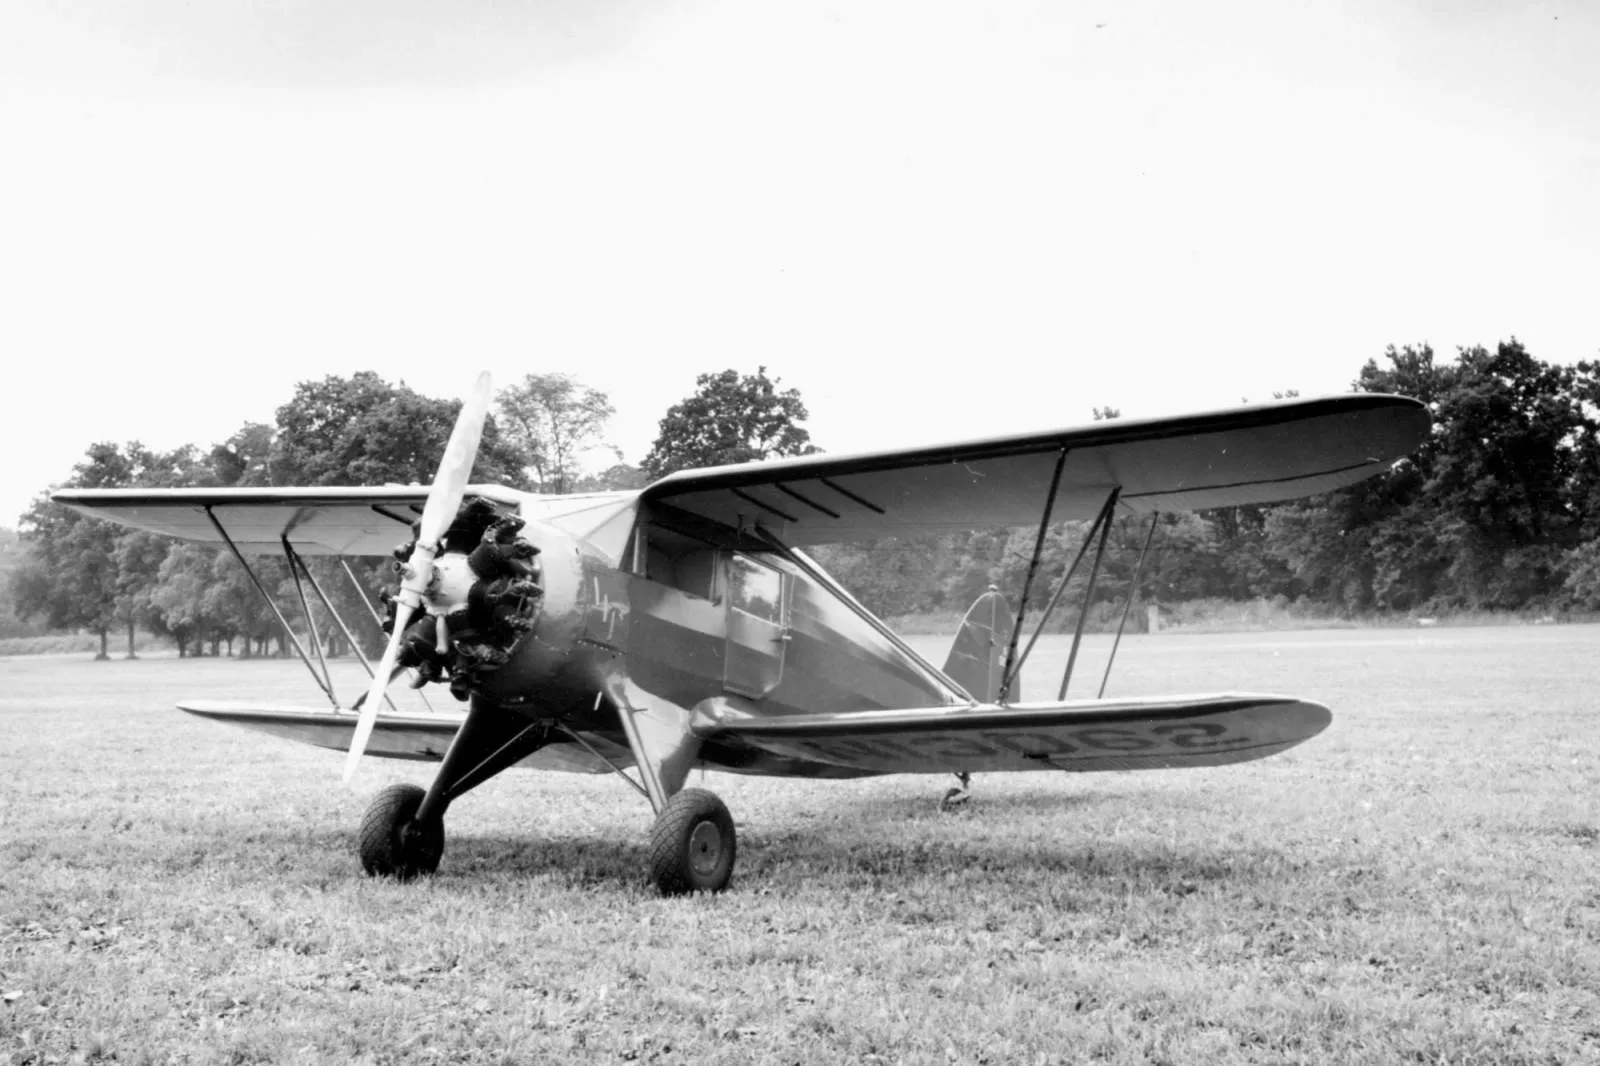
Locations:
(957, 796)
(393, 843)
(692, 846)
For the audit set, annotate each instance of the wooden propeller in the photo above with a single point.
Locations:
(444, 498)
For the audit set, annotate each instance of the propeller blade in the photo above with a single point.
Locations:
(380, 682)
(450, 483)
(444, 499)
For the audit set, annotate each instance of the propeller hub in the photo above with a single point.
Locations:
(450, 584)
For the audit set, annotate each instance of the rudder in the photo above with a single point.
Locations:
(977, 658)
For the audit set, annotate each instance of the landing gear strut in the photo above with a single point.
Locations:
(394, 843)
(959, 795)
(692, 846)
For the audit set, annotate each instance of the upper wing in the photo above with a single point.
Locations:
(318, 521)
(1077, 735)
(1240, 456)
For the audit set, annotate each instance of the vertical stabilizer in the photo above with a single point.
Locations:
(977, 659)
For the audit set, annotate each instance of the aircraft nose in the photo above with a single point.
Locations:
(485, 595)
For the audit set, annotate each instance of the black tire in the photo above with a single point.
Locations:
(393, 843)
(693, 846)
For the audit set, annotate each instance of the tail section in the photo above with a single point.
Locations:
(977, 659)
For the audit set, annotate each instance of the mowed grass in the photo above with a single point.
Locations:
(1419, 884)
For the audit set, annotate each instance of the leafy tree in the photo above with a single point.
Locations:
(1582, 582)
(361, 430)
(245, 459)
(72, 576)
(618, 476)
(1371, 544)
(11, 556)
(68, 577)
(1498, 487)
(138, 558)
(731, 418)
(1486, 514)
(81, 573)
(894, 575)
(554, 420)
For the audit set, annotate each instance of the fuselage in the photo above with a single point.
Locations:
(694, 619)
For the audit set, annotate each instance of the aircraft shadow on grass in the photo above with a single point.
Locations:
(776, 858)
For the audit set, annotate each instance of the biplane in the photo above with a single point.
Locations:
(651, 632)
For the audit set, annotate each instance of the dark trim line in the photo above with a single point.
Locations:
(1256, 481)
(385, 512)
(988, 716)
(847, 494)
(743, 495)
(787, 491)
(707, 531)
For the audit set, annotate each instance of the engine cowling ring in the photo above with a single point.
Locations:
(501, 605)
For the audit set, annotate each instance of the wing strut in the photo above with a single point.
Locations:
(1127, 605)
(377, 620)
(295, 558)
(1088, 593)
(249, 572)
(1010, 672)
(566, 730)
(362, 592)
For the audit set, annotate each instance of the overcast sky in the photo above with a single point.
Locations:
(935, 219)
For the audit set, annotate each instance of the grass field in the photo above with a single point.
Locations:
(1417, 885)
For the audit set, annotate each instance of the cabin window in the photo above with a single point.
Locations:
(679, 562)
(755, 589)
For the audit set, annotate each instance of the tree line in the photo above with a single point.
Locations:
(546, 432)
(1499, 509)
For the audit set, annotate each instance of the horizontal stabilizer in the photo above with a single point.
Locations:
(1076, 735)
(423, 737)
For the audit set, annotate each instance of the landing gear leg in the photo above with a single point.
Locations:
(394, 841)
(959, 795)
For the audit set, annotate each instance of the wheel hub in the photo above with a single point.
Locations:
(705, 848)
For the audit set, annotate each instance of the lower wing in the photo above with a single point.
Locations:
(398, 736)
(1077, 736)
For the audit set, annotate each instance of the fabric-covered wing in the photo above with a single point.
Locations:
(395, 736)
(1075, 736)
(1241, 456)
(319, 521)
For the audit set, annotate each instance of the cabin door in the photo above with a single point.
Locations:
(758, 629)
